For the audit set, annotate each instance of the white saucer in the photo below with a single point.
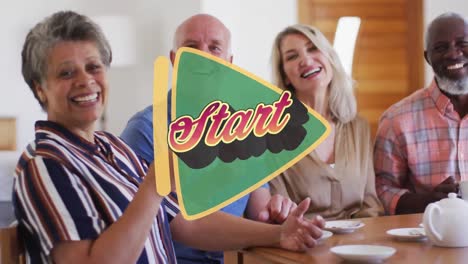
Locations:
(408, 234)
(325, 235)
(363, 253)
(343, 226)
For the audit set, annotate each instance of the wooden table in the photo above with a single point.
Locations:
(372, 233)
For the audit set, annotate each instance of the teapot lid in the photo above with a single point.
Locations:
(452, 201)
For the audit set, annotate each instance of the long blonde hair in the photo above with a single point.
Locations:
(342, 101)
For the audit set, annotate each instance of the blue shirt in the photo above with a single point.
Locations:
(139, 135)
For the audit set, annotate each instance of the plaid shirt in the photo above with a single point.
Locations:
(420, 142)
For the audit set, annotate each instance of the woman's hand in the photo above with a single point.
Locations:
(277, 210)
(149, 183)
(299, 233)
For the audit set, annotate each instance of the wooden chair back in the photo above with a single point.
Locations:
(11, 247)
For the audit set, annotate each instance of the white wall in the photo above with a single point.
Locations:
(434, 8)
(132, 87)
(254, 25)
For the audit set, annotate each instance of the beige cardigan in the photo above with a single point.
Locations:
(345, 191)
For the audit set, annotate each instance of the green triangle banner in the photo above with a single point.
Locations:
(230, 131)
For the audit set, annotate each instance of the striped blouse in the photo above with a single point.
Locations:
(67, 189)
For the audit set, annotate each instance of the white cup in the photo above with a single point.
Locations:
(463, 188)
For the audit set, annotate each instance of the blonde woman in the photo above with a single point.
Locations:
(338, 175)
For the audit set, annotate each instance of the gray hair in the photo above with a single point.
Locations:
(342, 101)
(59, 27)
(438, 18)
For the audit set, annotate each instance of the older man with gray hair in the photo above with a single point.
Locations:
(206, 33)
(421, 149)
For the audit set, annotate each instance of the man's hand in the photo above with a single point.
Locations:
(277, 210)
(299, 233)
(444, 188)
(411, 203)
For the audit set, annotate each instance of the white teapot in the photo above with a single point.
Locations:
(446, 222)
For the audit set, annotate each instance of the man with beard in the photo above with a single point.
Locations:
(421, 149)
